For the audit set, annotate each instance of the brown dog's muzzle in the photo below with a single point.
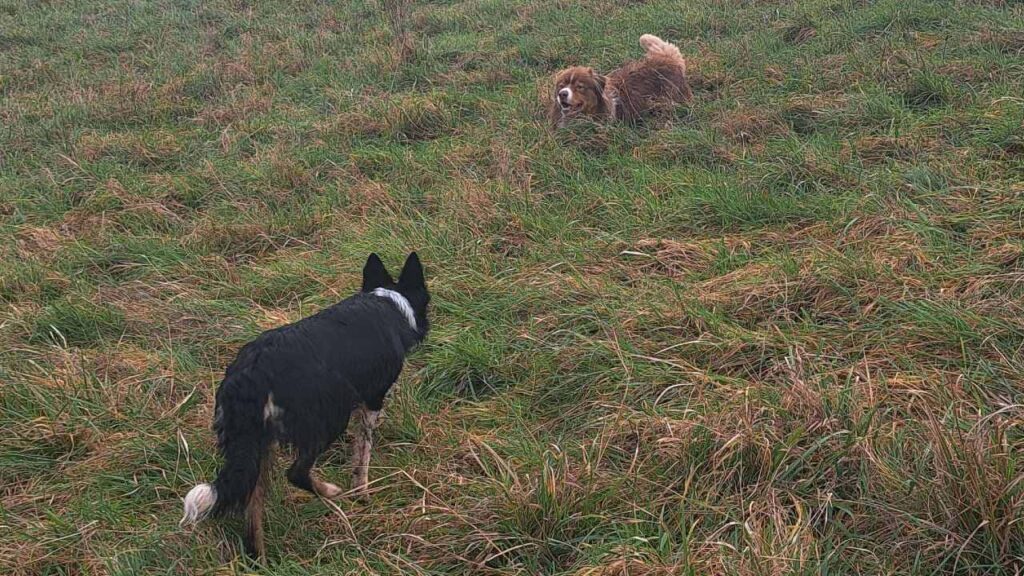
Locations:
(565, 98)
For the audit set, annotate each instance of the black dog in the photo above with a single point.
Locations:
(297, 385)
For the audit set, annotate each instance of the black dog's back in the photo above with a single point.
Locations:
(318, 369)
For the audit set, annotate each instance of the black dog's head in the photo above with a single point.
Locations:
(412, 285)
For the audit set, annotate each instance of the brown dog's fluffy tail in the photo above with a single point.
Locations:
(656, 47)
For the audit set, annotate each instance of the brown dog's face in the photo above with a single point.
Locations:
(578, 90)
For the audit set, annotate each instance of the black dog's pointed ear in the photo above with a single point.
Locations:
(375, 274)
(412, 273)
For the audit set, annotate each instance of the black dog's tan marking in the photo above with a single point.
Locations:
(362, 445)
(299, 384)
(254, 509)
(628, 93)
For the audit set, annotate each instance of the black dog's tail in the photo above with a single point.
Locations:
(244, 436)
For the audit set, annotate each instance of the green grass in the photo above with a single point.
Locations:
(778, 332)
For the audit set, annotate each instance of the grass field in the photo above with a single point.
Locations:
(780, 331)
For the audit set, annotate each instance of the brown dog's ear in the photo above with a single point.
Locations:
(602, 81)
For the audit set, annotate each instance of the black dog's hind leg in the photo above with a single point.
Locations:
(300, 474)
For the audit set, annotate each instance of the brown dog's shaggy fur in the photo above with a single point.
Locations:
(629, 93)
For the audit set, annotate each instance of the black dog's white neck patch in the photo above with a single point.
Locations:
(403, 305)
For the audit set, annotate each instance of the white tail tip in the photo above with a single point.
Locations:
(657, 47)
(650, 40)
(198, 503)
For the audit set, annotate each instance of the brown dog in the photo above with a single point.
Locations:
(630, 92)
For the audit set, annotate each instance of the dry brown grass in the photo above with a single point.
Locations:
(38, 243)
(749, 126)
(148, 148)
(418, 118)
